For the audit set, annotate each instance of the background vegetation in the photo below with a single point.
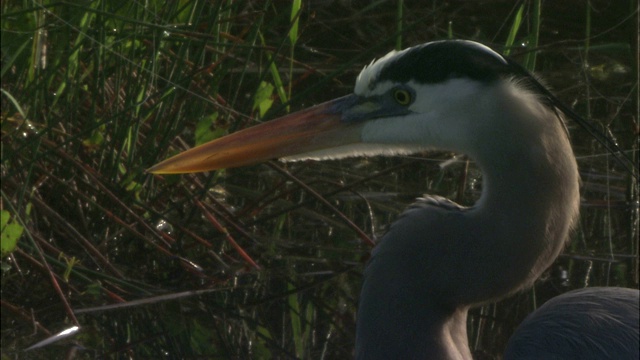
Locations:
(260, 262)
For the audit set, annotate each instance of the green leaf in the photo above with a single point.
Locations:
(206, 130)
(200, 337)
(261, 349)
(11, 232)
(4, 218)
(96, 139)
(296, 321)
(262, 100)
(94, 289)
(515, 26)
(295, 10)
(273, 69)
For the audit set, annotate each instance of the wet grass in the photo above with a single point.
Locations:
(263, 261)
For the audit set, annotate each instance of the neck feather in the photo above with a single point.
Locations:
(437, 261)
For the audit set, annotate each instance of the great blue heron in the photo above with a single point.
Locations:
(439, 259)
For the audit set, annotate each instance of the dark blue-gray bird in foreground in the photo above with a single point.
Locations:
(439, 259)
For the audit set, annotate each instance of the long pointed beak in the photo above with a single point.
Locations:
(319, 127)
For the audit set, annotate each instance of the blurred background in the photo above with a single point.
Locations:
(263, 261)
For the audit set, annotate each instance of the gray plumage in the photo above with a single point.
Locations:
(439, 259)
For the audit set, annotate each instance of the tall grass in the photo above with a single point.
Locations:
(263, 261)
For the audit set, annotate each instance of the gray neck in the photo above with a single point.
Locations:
(435, 262)
(529, 204)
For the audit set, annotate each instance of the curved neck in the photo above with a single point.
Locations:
(436, 261)
(529, 203)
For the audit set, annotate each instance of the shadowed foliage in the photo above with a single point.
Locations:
(263, 261)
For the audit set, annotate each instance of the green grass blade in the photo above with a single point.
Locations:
(296, 321)
(534, 35)
(513, 32)
(399, 24)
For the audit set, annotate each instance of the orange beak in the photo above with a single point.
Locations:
(317, 128)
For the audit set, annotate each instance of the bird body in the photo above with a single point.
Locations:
(439, 259)
(598, 323)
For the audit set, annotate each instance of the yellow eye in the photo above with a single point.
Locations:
(402, 96)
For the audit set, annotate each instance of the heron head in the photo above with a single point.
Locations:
(404, 102)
